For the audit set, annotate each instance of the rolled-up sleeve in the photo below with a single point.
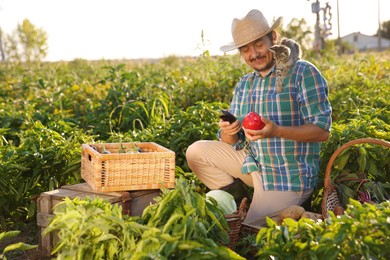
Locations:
(314, 103)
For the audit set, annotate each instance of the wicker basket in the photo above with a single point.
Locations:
(331, 197)
(152, 168)
(234, 221)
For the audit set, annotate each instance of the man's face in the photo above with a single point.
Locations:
(257, 55)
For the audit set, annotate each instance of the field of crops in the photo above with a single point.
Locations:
(48, 110)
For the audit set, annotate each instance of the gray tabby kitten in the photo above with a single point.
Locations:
(286, 55)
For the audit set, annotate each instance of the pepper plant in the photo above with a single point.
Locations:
(361, 233)
(180, 225)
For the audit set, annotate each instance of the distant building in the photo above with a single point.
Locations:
(363, 42)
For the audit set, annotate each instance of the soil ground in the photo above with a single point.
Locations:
(28, 235)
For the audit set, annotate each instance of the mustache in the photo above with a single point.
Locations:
(257, 57)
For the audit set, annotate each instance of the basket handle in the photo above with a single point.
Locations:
(241, 210)
(327, 181)
(243, 207)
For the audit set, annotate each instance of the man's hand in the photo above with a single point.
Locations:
(230, 128)
(229, 131)
(268, 131)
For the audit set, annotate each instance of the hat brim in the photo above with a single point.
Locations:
(231, 46)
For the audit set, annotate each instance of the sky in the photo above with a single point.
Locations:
(143, 29)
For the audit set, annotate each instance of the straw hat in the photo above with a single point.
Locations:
(252, 27)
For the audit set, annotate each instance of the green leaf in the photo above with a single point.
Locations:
(189, 245)
(327, 237)
(9, 234)
(270, 222)
(19, 246)
(290, 222)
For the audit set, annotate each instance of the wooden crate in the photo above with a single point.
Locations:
(152, 168)
(132, 202)
(140, 199)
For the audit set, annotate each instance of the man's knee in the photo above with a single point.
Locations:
(192, 151)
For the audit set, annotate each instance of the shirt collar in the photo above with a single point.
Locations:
(272, 70)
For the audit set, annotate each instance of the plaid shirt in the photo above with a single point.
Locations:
(285, 165)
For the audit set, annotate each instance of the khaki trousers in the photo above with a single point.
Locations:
(216, 164)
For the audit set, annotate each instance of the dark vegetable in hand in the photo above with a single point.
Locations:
(227, 116)
(104, 150)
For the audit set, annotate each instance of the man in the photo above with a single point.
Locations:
(281, 161)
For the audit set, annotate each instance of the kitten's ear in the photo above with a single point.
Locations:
(288, 51)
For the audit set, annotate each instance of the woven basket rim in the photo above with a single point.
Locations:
(328, 186)
(240, 213)
(235, 220)
(128, 171)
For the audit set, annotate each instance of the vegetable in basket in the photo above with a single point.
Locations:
(225, 201)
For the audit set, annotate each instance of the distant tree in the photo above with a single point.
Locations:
(299, 31)
(26, 44)
(2, 46)
(385, 30)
